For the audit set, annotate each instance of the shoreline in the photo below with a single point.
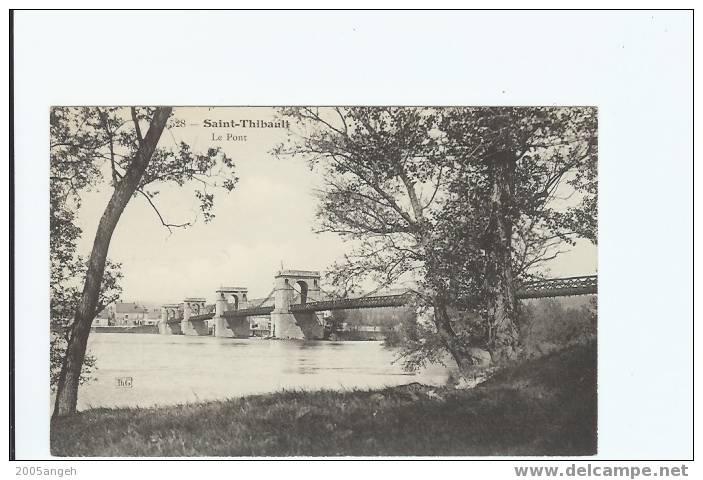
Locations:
(546, 406)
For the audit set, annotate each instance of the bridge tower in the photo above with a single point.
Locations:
(291, 287)
(170, 323)
(228, 298)
(193, 306)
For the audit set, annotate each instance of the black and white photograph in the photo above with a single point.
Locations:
(363, 243)
(323, 281)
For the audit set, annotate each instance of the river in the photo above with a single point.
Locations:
(147, 370)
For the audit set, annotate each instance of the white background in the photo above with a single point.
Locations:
(635, 66)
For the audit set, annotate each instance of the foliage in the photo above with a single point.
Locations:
(94, 145)
(554, 179)
(392, 338)
(67, 268)
(414, 192)
(374, 162)
(92, 149)
(420, 343)
(550, 160)
(547, 325)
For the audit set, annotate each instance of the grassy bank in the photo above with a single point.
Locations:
(542, 407)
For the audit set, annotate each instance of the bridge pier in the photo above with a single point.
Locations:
(170, 323)
(230, 299)
(239, 326)
(219, 321)
(285, 324)
(192, 307)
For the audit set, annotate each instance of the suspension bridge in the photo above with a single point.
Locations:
(295, 301)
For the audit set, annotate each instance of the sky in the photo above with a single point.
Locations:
(266, 222)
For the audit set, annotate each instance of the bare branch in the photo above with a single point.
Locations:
(138, 130)
(161, 218)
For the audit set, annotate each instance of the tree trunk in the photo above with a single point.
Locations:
(503, 333)
(460, 352)
(67, 389)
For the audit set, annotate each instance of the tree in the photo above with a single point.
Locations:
(458, 200)
(67, 268)
(385, 172)
(548, 324)
(89, 144)
(515, 165)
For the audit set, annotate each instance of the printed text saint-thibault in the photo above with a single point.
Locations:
(245, 123)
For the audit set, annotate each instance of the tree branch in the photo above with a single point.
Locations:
(140, 139)
(161, 218)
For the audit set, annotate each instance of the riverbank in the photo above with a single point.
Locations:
(542, 407)
(142, 329)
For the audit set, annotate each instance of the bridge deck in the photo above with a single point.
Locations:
(249, 312)
(356, 303)
(558, 287)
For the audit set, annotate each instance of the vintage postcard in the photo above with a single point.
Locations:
(323, 281)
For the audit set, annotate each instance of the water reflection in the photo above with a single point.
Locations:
(177, 369)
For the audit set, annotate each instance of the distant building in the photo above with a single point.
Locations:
(260, 326)
(127, 313)
(106, 317)
(131, 314)
(153, 316)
